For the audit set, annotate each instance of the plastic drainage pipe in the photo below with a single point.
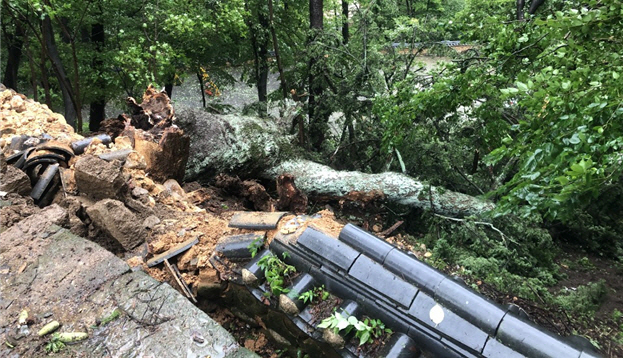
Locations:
(290, 303)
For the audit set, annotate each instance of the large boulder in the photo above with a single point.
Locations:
(117, 221)
(15, 180)
(99, 179)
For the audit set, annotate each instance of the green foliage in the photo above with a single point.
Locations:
(585, 300)
(516, 258)
(365, 331)
(539, 100)
(114, 315)
(276, 272)
(314, 294)
(256, 245)
(55, 345)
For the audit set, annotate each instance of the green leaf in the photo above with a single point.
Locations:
(522, 86)
(364, 338)
(562, 179)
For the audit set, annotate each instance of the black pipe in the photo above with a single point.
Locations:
(81, 145)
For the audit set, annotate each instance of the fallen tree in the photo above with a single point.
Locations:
(322, 182)
(257, 148)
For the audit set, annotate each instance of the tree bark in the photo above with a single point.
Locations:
(345, 32)
(203, 95)
(52, 53)
(15, 43)
(520, 6)
(317, 118)
(259, 43)
(282, 78)
(97, 108)
(262, 81)
(321, 182)
(252, 147)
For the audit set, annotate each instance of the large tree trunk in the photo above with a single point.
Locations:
(345, 32)
(322, 182)
(14, 55)
(97, 108)
(318, 118)
(253, 147)
(259, 43)
(282, 79)
(52, 52)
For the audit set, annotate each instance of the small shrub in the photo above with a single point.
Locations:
(586, 300)
(365, 330)
(314, 294)
(275, 271)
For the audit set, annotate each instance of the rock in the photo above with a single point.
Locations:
(139, 207)
(174, 188)
(151, 222)
(116, 220)
(334, 339)
(98, 178)
(77, 227)
(185, 262)
(14, 208)
(15, 180)
(137, 192)
(135, 161)
(32, 225)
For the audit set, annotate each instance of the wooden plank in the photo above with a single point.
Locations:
(180, 281)
(171, 252)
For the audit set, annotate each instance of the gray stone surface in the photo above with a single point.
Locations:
(115, 219)
(15, 180)
(98, 178)
(55, 275)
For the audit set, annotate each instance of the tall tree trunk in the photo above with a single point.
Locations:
(168, 87)
(534, 5)
(317, 117)
(282, 78)
(259, 43)
(75, 95)
(262, 81)
(71, 111)
(97, 108)
(33, 71)
(345, 33)
(45, 78)
(520, 6)
(15, 44)
(203, 95)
